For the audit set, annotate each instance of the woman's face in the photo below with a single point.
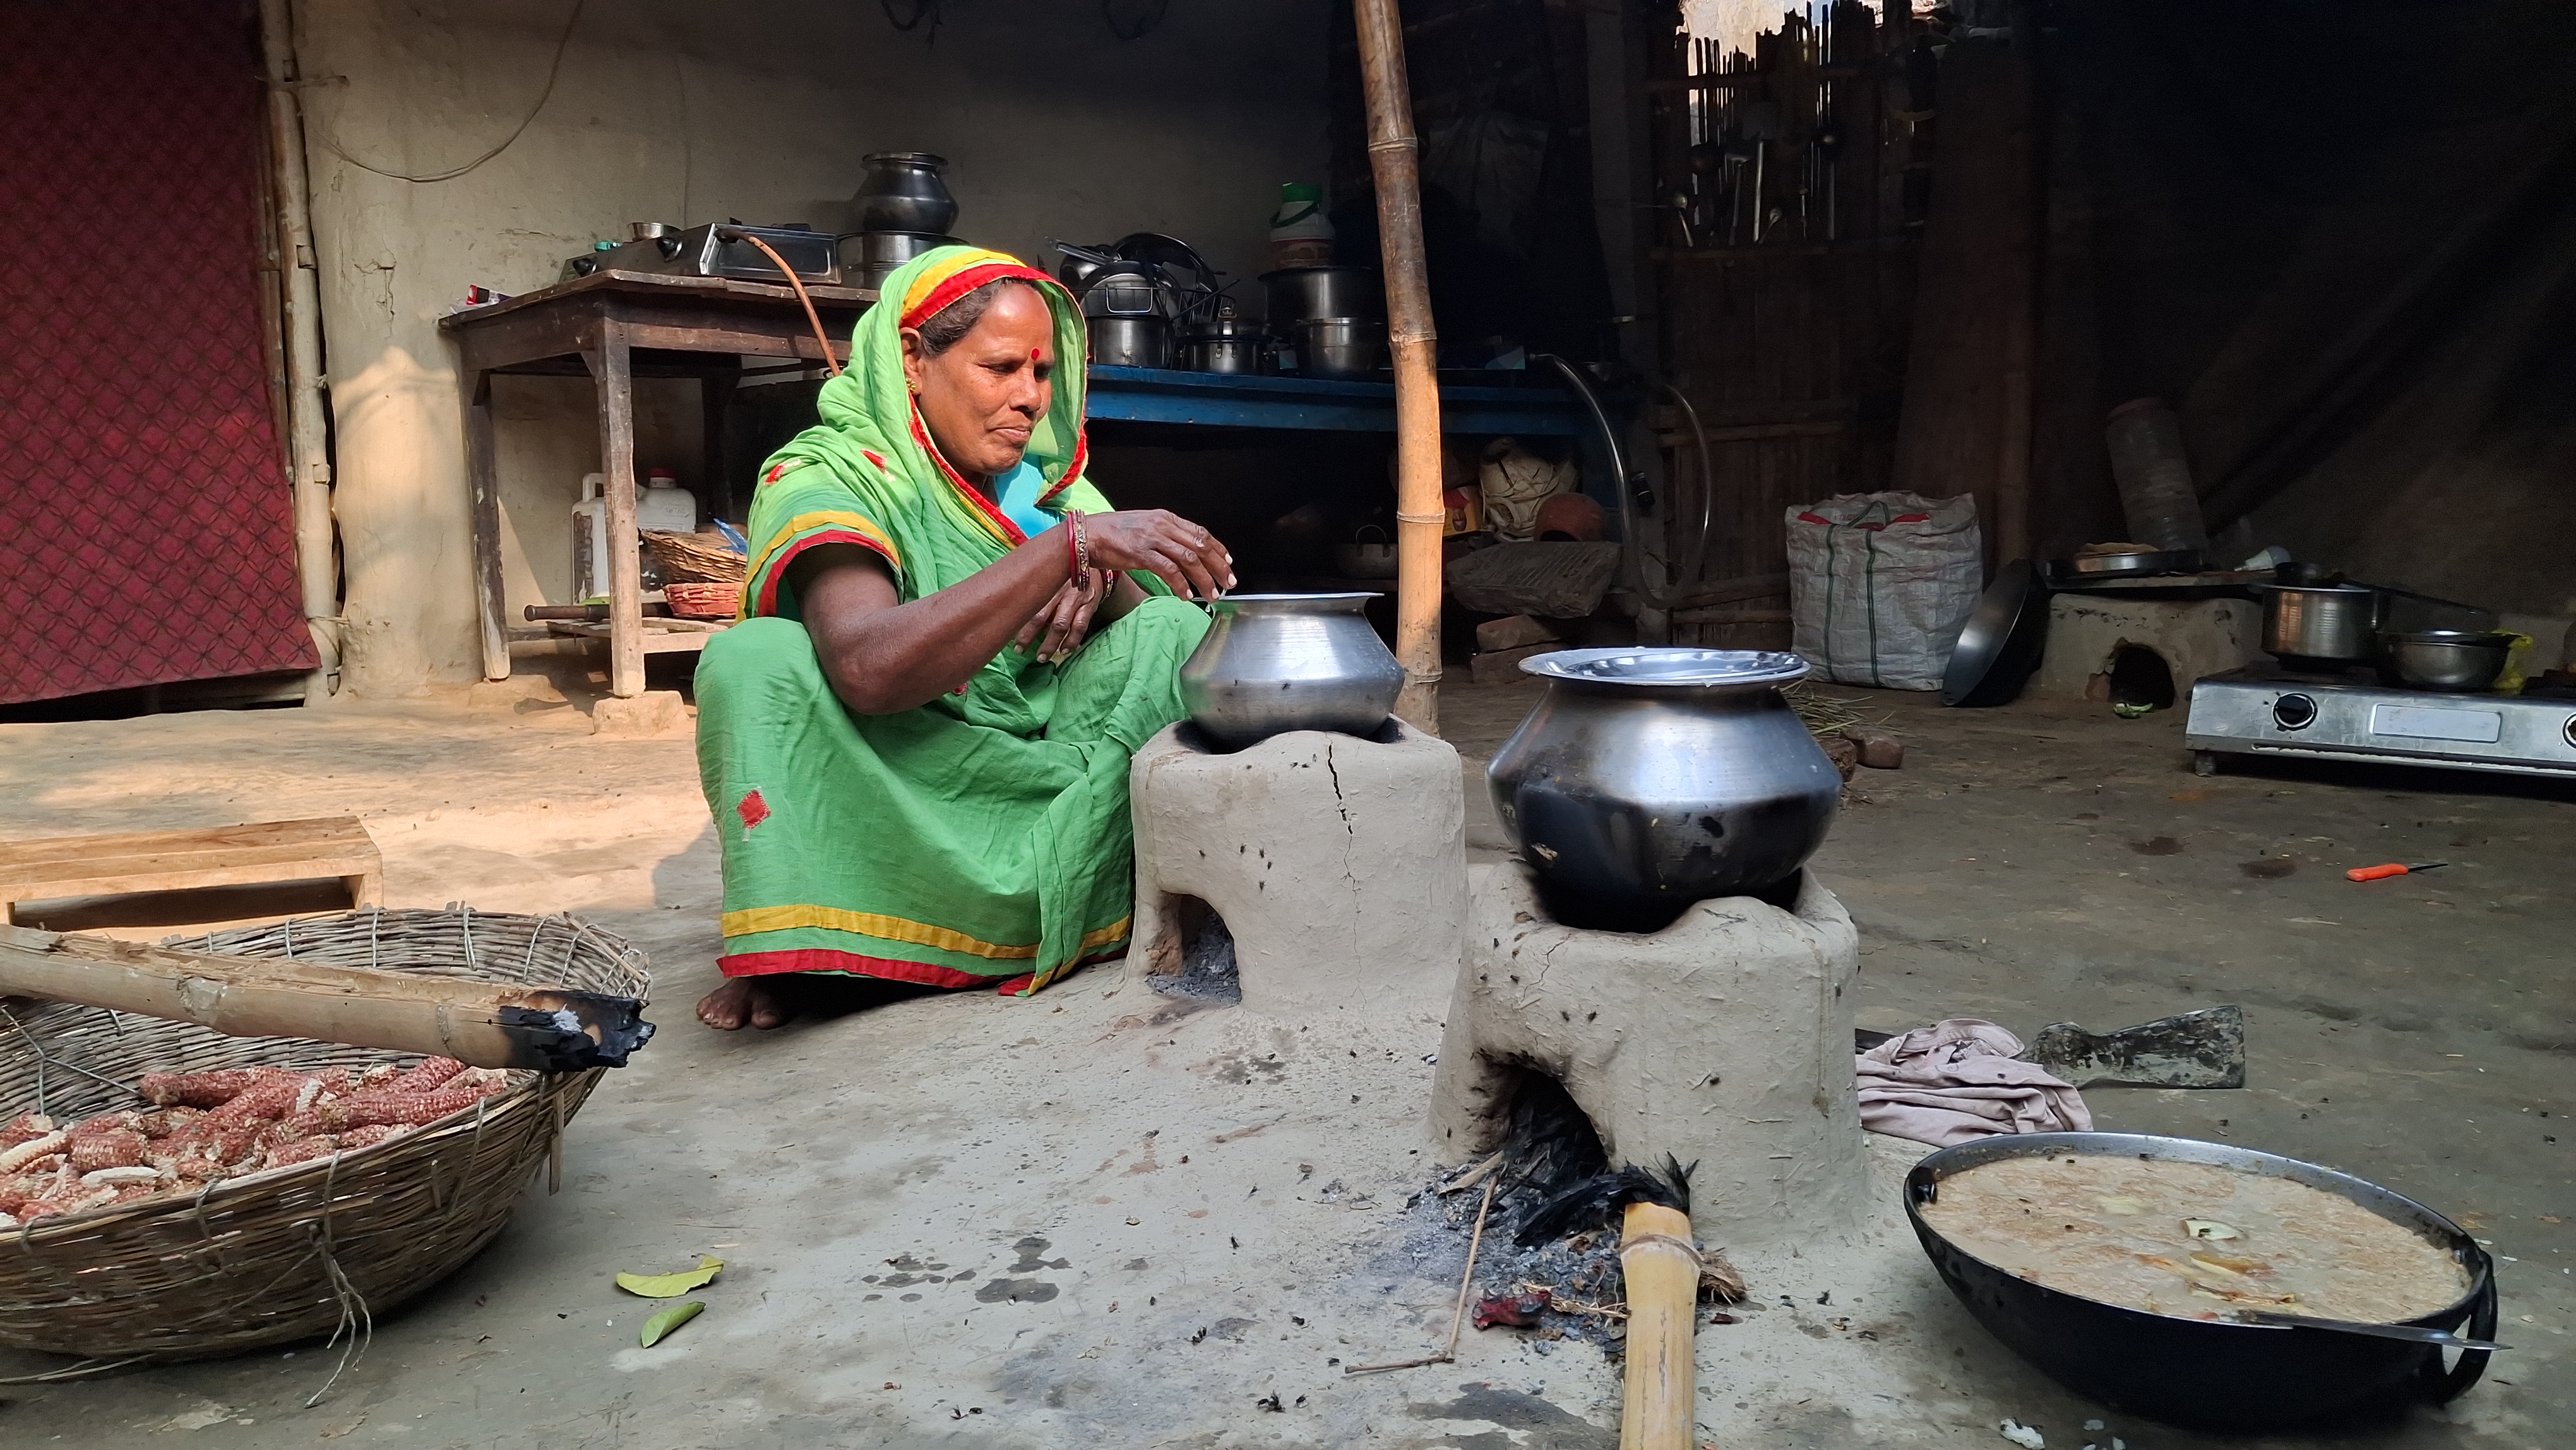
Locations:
(982, 397)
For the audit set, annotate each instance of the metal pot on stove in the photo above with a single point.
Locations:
(1651, 778)
(2330, 624)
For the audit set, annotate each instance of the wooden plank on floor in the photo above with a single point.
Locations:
(138, 861)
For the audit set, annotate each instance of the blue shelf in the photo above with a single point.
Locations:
(1238, 400)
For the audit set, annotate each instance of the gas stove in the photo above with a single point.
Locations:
(2265, 710)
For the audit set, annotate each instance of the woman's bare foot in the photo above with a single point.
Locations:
(745, 999)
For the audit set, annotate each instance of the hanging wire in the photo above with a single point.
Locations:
(553, 69)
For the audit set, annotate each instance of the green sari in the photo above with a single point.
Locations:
(984, 837)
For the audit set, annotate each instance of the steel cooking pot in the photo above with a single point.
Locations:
(2326, 623)
(1339, 347)
(1299, 293)
(1131, 342)
(2204, 1373)
(2447, 659)
(902, 192)
(1272, 663)
(1650, 778)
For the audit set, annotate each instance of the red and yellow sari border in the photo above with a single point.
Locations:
(995, 522)
(891, 969)
(938, 286)
(804, 531)
(757, 920)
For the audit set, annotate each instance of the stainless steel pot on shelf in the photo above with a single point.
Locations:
(1339, 347)
(902, 192)
(1272, 663)
(1651, 778)
(1299, 293)
(1132, 342)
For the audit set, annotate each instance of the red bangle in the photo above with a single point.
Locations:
(1072, 545)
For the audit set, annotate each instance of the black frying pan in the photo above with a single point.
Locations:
(2205, 1373)
(2000, 646)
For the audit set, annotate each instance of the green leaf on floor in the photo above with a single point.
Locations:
(669, 1319)
(671, 1286)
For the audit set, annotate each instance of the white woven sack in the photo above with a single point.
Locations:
(1880, 584)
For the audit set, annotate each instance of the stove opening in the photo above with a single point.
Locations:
(2138, 676)
(1205, 968)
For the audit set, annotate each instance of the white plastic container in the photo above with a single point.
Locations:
(1300, 234)
(661, 506)
(590, 540)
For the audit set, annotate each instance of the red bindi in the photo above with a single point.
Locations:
(1033, 353)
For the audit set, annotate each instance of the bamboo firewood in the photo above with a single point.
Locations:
(1662, 1273)
(479, 1023)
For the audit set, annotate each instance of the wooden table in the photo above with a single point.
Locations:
(618, 326)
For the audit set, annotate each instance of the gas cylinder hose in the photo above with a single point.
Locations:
(730, 234)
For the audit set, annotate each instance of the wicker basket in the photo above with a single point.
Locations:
(703, 601)
(700, 558)
(288, 1253)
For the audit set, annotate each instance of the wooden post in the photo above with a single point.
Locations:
(483, 470)
(612, 368)
(1394, 162)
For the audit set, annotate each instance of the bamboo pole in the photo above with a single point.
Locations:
(316, 570)
(479, 1023)
(1662, 1274)
(1395, 163)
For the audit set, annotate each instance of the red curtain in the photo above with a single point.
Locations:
(146, 527)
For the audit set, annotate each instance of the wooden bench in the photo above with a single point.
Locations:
(265, 853)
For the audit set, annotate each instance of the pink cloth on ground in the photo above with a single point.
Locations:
(1958, 1080)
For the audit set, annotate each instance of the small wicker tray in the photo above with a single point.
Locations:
(317, 1248)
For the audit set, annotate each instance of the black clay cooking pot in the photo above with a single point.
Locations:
(2207, 1374)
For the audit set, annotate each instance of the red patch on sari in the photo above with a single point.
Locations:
(752, 809)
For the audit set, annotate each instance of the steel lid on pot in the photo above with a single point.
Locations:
(1669, 666)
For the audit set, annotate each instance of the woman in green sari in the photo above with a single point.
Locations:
(916, 741)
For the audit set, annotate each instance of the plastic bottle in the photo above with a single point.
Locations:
(590, 540)
(665, 507)
(1300, 234)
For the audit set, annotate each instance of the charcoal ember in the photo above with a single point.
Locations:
(113, 1147)
(93, 1126)
(20, 1158)
(371, 1135)
(486, 1080)
(370, 1079)
(206, 1089)
(25, 1128)
(431, 1073)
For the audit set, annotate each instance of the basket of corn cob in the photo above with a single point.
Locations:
(168, 1192)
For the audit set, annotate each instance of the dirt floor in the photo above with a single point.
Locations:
(1100, 1216)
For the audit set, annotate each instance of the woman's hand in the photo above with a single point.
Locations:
(1065, 621)
(1163, 544)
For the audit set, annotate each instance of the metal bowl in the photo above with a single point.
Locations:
(2204, 1373)
(2446, 659)
(1339, 347)
(1272, 663)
